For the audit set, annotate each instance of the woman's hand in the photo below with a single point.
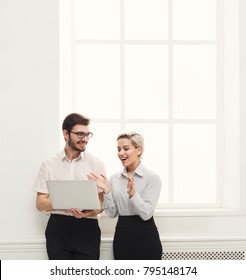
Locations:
(131, 187)
(101, 181)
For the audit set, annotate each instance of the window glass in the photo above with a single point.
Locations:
(146, 81)
(194, 19)
(146, 19)
(194, 163)
(194, 82)
(97, 80)
(97, 19)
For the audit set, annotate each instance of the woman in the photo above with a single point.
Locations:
(132, 194)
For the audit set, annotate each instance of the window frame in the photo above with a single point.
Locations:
(228, 143)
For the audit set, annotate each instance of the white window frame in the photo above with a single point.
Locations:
(228, 144)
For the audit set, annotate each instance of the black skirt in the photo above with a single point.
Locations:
(136, 239)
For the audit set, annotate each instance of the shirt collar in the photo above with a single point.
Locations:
(139, 170)
(64, 157)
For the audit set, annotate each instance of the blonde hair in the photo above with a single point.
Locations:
(137, 140)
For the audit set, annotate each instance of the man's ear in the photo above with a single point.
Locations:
(65, 134)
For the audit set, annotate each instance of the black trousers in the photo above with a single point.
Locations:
(69, 238)
(136, 239)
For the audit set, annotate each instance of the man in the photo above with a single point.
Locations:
(70, 234)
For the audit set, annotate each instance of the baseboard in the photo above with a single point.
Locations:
(213, 248)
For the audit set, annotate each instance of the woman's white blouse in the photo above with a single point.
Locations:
(143, 203)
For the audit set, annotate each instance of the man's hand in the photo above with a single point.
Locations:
(77, 213)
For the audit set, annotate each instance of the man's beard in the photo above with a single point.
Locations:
(74, 147)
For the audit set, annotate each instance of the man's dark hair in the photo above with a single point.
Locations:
(72, 119)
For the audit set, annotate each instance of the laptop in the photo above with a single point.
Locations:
(80, 194)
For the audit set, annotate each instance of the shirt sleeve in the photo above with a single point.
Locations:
(43, 175)
(110, 206)
(100, 168)
(145, 204)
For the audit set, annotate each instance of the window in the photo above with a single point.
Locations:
(169, 70)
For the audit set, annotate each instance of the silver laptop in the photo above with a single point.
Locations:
(74, 194)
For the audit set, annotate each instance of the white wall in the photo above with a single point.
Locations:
(29, 108)
(30, 131)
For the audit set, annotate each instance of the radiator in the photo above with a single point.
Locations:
(204, 255)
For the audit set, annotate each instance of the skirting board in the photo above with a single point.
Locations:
(173, 249)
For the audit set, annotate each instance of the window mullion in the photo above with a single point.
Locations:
(170, 109)
(220, 97)
(122, 63)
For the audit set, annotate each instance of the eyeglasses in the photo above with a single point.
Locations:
(81, 135)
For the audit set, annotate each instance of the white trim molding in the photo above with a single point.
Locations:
(213, 247)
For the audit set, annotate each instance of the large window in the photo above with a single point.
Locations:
(169, 70)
